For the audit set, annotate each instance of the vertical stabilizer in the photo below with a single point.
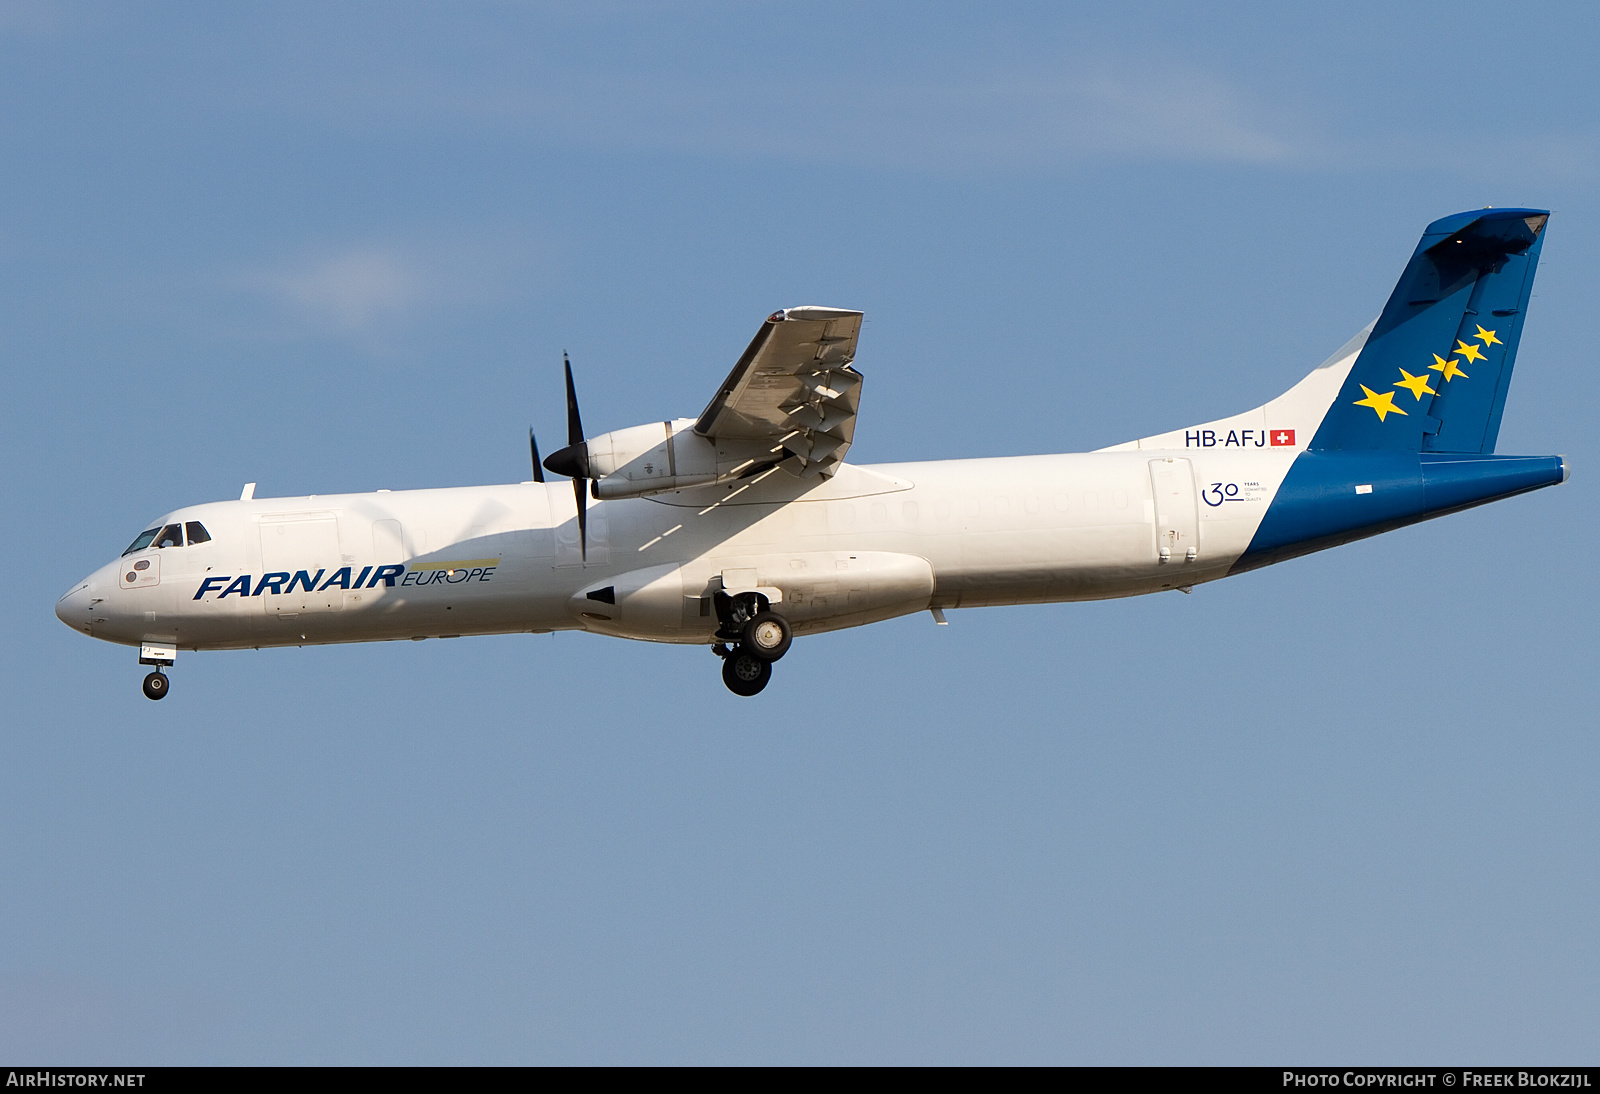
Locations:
(1433, 374)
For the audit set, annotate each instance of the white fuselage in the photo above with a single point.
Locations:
(869, 543)
(746, 522)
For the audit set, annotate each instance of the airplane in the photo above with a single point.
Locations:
(745, 528)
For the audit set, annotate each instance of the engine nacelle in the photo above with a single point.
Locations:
(650, 459)
(646, 459)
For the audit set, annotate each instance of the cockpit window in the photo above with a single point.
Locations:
(197, 533)
(144, 540)
(171, 536)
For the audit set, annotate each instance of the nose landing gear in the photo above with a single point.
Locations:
(160, 655)
(155, 685)
(759, 636)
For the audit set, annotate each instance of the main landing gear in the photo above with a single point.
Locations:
(758, 637)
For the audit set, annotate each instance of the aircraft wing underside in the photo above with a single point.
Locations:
(794, 389)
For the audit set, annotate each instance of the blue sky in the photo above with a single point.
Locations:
(1343, 808)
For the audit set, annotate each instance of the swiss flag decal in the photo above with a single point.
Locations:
(1281, 437)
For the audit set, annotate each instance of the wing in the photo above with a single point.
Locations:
(793, 389)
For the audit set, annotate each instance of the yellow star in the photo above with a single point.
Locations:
(1487, 337)
(1383, 404)
(1449, 368)
(1415, 384)
(1471, 353)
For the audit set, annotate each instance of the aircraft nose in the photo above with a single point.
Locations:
(73, 608)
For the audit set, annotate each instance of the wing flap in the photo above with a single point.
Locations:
(794, 389)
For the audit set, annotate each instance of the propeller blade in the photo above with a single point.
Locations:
(573, 460)
(574, 423)
(583, 519)
(533, 450)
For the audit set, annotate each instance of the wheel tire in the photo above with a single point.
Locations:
(745, 673)
(767, 635)
(155, 686)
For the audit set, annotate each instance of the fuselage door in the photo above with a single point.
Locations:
(1177, 514)
(307, 550)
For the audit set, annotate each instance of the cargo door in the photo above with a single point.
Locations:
(308, 551)
(1177, 511)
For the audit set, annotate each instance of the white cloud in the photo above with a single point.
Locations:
(1184, 114)
(1066, 114)
(353, 290)
(367, 290)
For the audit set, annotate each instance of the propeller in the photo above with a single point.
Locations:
(533, 450)
(573, 460)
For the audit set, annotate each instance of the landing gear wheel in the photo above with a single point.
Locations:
(744, 672)
(767, 635)
(155, 686)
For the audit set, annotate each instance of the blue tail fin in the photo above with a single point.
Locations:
(1433, 374)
